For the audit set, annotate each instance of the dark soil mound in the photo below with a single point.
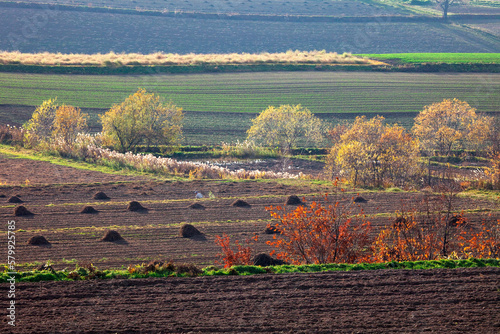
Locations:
(22, 211)
(189, 231)
(38, 240)
(241, 204)
(272, 230)
(264, 260)
(293, 200)
(14, 199)
(400, 223)
(455, 221)
(360, 199)
(100, 195)
(197, 206)
(88, 209)
(135, 206)
(112, 236)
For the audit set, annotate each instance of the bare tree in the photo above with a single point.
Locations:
(445, 5)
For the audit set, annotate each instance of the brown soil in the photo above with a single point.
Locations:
(439, 301)
(25, 171)
(382, 301)
(155, 235)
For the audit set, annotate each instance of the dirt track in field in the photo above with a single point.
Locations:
(382, 301)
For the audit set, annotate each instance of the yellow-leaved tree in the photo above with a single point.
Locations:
(52, 121)
(41, 125)
(142, 119)
(68, 122)
(372, 153)
(451, 125)
(285, 126)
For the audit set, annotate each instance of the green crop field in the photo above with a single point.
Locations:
(219, 107)
(449, 58)
(322, 92)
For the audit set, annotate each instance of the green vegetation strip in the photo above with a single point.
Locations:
(141, 271)
(448, 58)
(321, 92)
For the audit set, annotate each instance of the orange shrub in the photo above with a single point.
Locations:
(320, 234)
(483, 243)
(231, 258)
(430, 232)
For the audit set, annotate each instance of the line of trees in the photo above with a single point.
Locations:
(142, 119)
(367, 152)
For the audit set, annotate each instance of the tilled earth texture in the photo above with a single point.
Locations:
(153, 234)
(382, 301)
(444, 301)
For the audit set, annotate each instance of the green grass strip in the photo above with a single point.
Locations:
(84, 274)
(447, 58)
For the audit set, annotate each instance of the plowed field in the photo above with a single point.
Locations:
(388, 301)
(154, 233)
(404, 301)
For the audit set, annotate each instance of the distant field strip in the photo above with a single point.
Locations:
(450, 58)
(321, 92)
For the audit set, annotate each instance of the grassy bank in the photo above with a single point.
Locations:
(158, 269)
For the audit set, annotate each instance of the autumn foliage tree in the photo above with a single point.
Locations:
(52, 121)
(451, 125)
(41, 124)
(316, 233)
(285, 126)
(142, 119)
(68, 122)
(370, 152)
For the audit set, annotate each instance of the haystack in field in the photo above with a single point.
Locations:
(189, 231)
(271, 229)
(135, 206)
(22, 211)
(38, 240)
(241, 204)
(88, 209)
(360, 199)
(100, 195)
(112, 236)
(14, 199)
(265, 260)
(197, 206)
(293, 200)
